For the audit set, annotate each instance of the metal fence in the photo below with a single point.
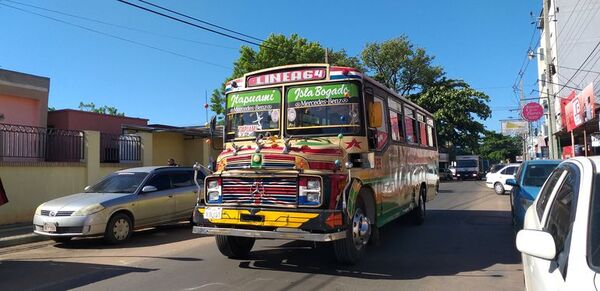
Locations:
(115, 148)
(30, 143)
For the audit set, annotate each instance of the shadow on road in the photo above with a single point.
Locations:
(42, 275)
(147, 237)
(450, 242)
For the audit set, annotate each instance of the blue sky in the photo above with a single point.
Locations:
(482, 42)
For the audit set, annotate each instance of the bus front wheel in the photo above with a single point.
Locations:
(352, 248)
(234, 247)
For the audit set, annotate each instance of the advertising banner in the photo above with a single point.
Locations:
(512, 127)
(561, 123)
(581, 108)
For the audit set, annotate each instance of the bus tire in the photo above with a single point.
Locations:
(418, 213)
(351, 249)
(234, 247)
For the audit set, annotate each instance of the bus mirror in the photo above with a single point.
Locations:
(375, 114)
(213, 126)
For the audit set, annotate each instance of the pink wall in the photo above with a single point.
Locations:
(20, 110)
(82, 120)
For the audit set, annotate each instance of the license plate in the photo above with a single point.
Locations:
(213, 212)
(50, 227)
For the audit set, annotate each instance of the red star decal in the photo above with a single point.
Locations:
(353, 143)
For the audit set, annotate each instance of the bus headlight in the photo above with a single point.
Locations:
(309, 191)
(213, 190)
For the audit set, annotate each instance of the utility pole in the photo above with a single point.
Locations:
(548, 59)
(521, 104)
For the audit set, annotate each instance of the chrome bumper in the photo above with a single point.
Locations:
(291, 235)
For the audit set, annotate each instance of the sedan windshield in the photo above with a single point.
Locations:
(535, 175)
(323, 109)
(119, 183)
(496, 168)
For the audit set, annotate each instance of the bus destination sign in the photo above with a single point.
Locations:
(286, 76)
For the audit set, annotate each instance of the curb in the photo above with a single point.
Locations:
(18, 235)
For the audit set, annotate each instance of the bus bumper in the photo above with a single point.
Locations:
(290, 234)
(293, 224)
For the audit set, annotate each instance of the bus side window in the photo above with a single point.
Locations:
(422, 129)
(381, 134)
(396, 120)
(410, 124)
(430, 133)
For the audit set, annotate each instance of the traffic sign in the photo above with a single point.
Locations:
(532, 111)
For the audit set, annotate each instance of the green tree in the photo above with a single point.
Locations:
(91, 107)
(279, 50)
(456, 107)
(497, 147)
(397, 64)
(408, 70)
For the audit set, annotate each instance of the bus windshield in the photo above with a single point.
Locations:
(252, 113)
(323, 109)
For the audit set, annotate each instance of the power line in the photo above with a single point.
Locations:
(569, 68)
(117, 37)
(121, 26)
(201, 21)
(582, 64)
(196, 25)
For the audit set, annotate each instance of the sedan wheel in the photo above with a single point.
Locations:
(119, 229)
(498, 188)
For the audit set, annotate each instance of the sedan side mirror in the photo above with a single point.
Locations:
(149, 188)
(511, 182)
(536, 243)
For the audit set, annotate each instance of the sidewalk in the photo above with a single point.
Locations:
(16, 234)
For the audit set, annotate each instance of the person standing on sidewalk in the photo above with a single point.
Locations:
(3, 198)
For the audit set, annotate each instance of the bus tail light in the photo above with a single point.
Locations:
(213, 190)
(310, 191)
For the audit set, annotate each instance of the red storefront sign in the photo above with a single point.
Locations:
(532, 111)
(581, 108)
(563, 115)
(286, 76)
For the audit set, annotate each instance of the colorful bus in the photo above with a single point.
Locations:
(318, 153)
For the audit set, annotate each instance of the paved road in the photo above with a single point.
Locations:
(466, 243)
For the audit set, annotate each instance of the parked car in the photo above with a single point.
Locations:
(525, 187)
(560, 242)
(121, 202)
(497, 180)
(445, 174)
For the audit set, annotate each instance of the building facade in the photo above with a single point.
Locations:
(23, 98)
(569, 63)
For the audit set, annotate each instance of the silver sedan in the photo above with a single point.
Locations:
(123, 201)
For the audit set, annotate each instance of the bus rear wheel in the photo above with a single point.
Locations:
(352, 248)
(234, 247)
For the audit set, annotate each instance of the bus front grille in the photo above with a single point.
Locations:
(279, 191)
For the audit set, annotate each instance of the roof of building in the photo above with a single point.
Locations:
(195, 131)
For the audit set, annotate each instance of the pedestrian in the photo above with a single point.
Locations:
(3, 198)
(171, 163)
